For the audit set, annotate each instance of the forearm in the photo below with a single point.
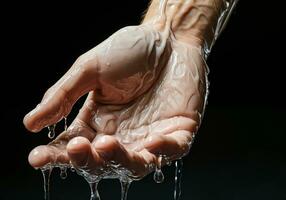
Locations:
(189, 20)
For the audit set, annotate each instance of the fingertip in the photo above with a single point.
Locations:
(39, 157)
(77, 145)
(51, 109)
(79, 151)
(107, 146)
(30, 119)
(175, 144)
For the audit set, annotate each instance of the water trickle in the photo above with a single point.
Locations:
(46, 171)
(66, 123)
(94, 195)
(158, 174)
(63, 173)
(125, 184)
(52, 132)
(178, 179)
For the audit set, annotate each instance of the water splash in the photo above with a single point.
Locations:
(94, 195)
(158, 174)
(52, 132)
(125, 184)
(46, 171)
(178, 179)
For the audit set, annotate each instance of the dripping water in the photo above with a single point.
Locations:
(66, 123)
(125, 184)
(178, 179)
(46, 171)
(94, 195)
(158, 174)
(52, 132)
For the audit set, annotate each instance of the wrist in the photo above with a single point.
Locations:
(191, 22)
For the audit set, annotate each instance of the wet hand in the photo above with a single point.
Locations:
(146, 93)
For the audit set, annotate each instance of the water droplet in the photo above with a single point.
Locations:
(125, 184)
(66, 123)
(178, 179)
(123, 174)
(46, 171)
(63, 173)
(94, 195)
(72, 169)
(158, 174)
(52, 132)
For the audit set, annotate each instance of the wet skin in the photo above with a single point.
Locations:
(146, 92)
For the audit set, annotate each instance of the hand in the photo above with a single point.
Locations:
(146, 95)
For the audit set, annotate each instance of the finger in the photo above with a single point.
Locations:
(82, 155)
(110, 150)
(97, 156)
(47, 154)
(59, 99)
(55, 152)
(88, 109)
(174, 145)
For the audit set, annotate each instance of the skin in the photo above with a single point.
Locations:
(146, 90)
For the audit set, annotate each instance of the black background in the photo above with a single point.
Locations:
(240, 149)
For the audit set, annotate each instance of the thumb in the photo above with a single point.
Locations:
(60, 98)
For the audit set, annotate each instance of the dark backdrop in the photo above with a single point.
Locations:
(240, 149)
